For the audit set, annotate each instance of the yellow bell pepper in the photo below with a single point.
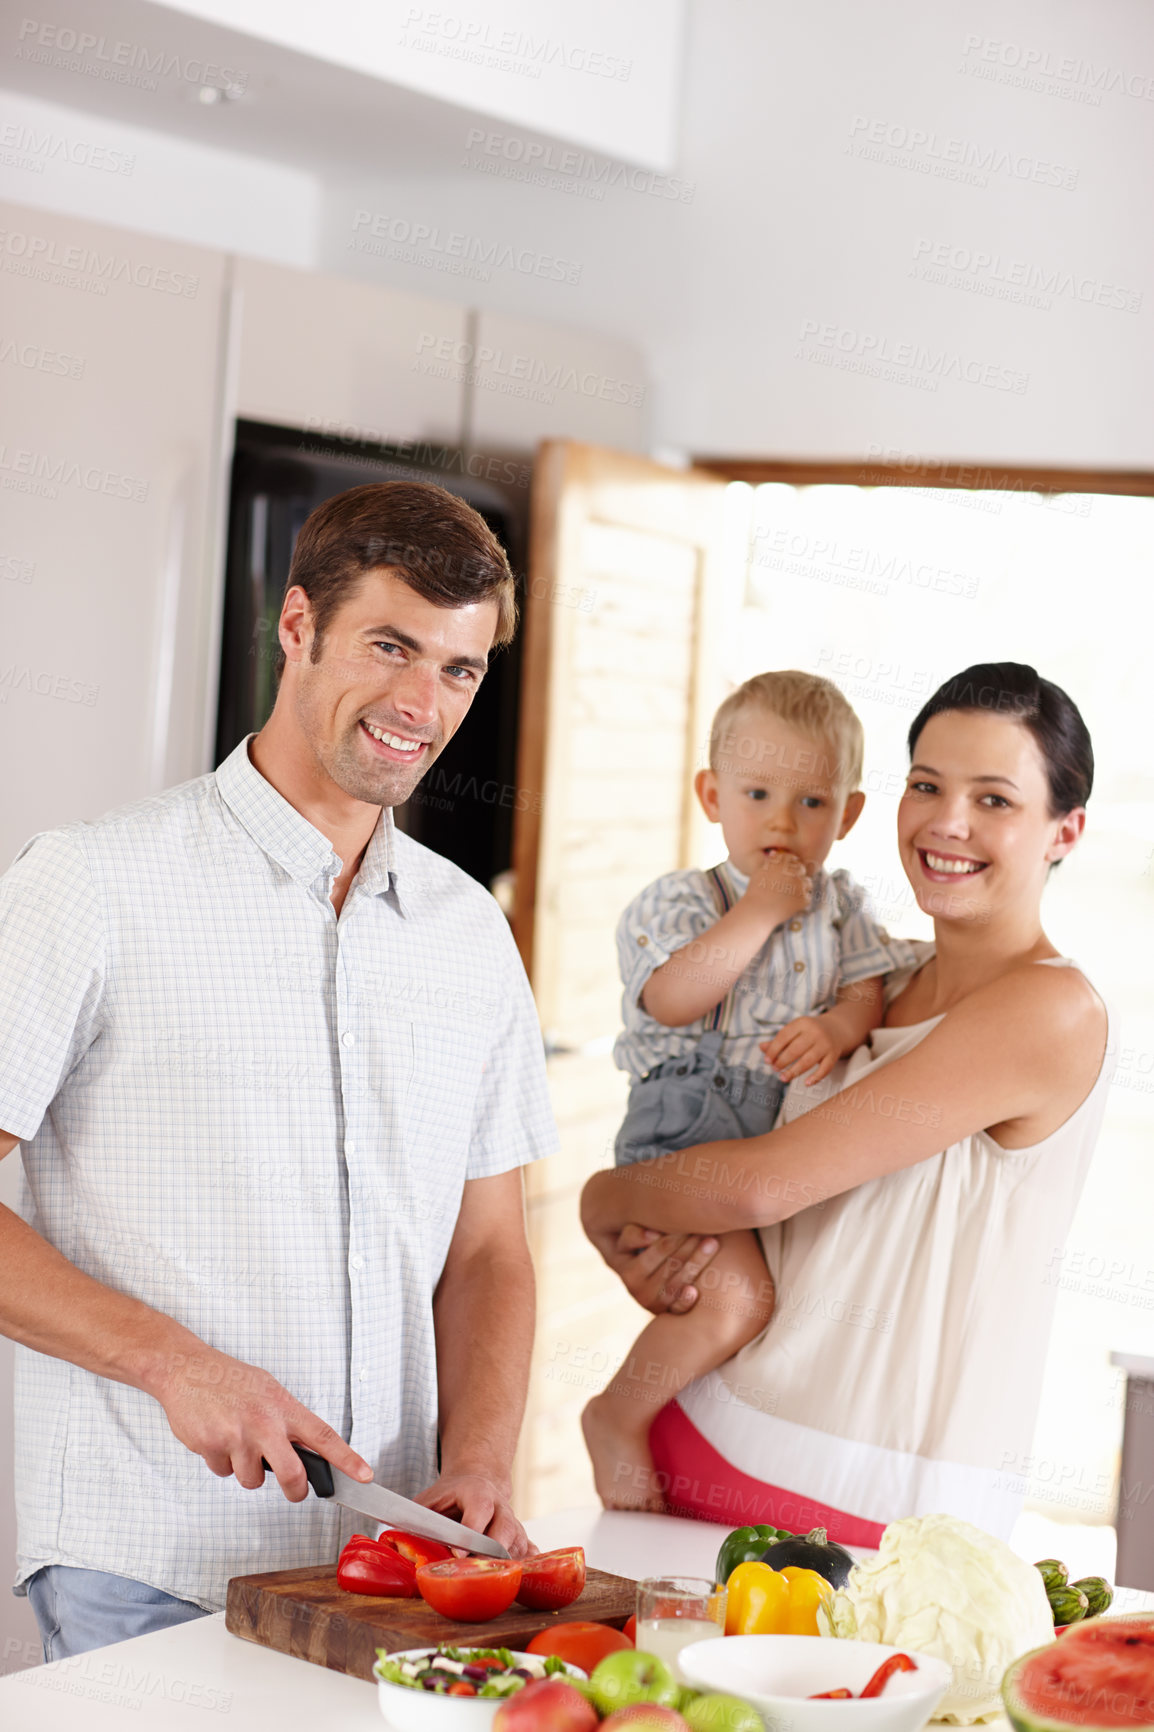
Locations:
(763, 1601)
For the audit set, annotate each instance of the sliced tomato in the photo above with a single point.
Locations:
(552, 1579)
(413, 1547)
(472, 1589)
(461, 1688)
(581, 1644)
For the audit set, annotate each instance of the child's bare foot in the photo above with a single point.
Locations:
(623, 1470)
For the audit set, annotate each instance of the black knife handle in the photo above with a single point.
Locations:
(317, 1470)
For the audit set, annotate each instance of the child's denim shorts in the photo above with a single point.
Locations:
(696, 1099)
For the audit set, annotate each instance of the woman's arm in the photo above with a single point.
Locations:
(1017, 1056)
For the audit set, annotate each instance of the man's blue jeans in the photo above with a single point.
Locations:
(82, 1609)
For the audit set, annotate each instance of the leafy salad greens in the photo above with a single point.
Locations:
(492, 1671)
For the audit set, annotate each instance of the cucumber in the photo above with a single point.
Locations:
(1069, 1605)
(1098, 1591)
(1053, 1573)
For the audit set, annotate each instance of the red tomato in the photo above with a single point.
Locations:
(630, 1630)
(472, 1589)
(583, 1645)
(552, 1579)
(461, 1688)
(413, 1547)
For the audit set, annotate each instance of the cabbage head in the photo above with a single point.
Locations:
(941, 1586)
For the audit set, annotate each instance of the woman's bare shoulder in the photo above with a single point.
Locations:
(1044, 1026)
(1055, 993)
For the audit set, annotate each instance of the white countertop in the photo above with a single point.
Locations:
(196, 1674)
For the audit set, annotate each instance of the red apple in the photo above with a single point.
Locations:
(644, 1717)
(547, 1705)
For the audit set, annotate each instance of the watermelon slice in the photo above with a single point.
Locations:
(1098, 1674)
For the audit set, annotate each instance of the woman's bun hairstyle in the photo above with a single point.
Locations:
(1018, 691)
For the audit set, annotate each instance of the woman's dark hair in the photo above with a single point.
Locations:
(442, 548)
(1015, 690)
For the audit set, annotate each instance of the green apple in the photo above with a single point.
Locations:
(629, 1676)
(716, 1713)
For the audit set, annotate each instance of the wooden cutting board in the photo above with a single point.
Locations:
(305, 1613)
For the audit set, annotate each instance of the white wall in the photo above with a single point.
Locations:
(775, 280)
(766, 288)
(62, 159)
(605, 74)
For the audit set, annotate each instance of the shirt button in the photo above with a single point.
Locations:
(350, 1148)
(348, 1038)
(643, 939)
(799, 968)
(356, 1262)
(364, 1375)
(795, 926)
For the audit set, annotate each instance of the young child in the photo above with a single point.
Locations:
(764, 961)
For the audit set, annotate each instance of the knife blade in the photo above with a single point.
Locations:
(382, 1505)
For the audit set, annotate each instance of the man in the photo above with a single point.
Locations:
(276, 1069)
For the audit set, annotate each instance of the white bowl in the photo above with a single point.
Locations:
(409, 1710)
(776, 1674)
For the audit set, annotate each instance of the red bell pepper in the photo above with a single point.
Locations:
(895, 1663)
(365, 1567)
(411, 1546)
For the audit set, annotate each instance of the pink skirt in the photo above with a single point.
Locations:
(700, 1483)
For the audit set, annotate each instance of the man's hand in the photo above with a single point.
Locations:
(232, 1414)
(481, 1503)
(779, 889)
(804, 1044)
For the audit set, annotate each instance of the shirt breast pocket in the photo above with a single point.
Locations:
(449, 1057)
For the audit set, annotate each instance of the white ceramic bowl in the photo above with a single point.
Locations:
(776, 1674)
(409, 1710)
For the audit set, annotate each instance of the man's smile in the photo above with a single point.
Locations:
(396, 747)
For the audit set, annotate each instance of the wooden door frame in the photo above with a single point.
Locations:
(552, 495)
(926, 472)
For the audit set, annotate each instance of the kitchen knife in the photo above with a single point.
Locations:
(381, 1505)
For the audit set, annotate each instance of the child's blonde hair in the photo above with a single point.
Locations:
(812, 705)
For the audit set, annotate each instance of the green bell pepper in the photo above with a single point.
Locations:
(745, 1545)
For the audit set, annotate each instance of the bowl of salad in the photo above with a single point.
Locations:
(449, 1689)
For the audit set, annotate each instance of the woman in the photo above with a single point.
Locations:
(912, 1221)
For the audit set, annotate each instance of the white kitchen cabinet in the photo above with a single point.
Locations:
(531, 381)
(348, 359)
(110, 478)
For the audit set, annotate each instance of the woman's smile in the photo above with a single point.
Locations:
(941, 868)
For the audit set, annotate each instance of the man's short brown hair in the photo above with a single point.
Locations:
(440, 546)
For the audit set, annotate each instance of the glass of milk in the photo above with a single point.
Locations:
(673, 1611)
